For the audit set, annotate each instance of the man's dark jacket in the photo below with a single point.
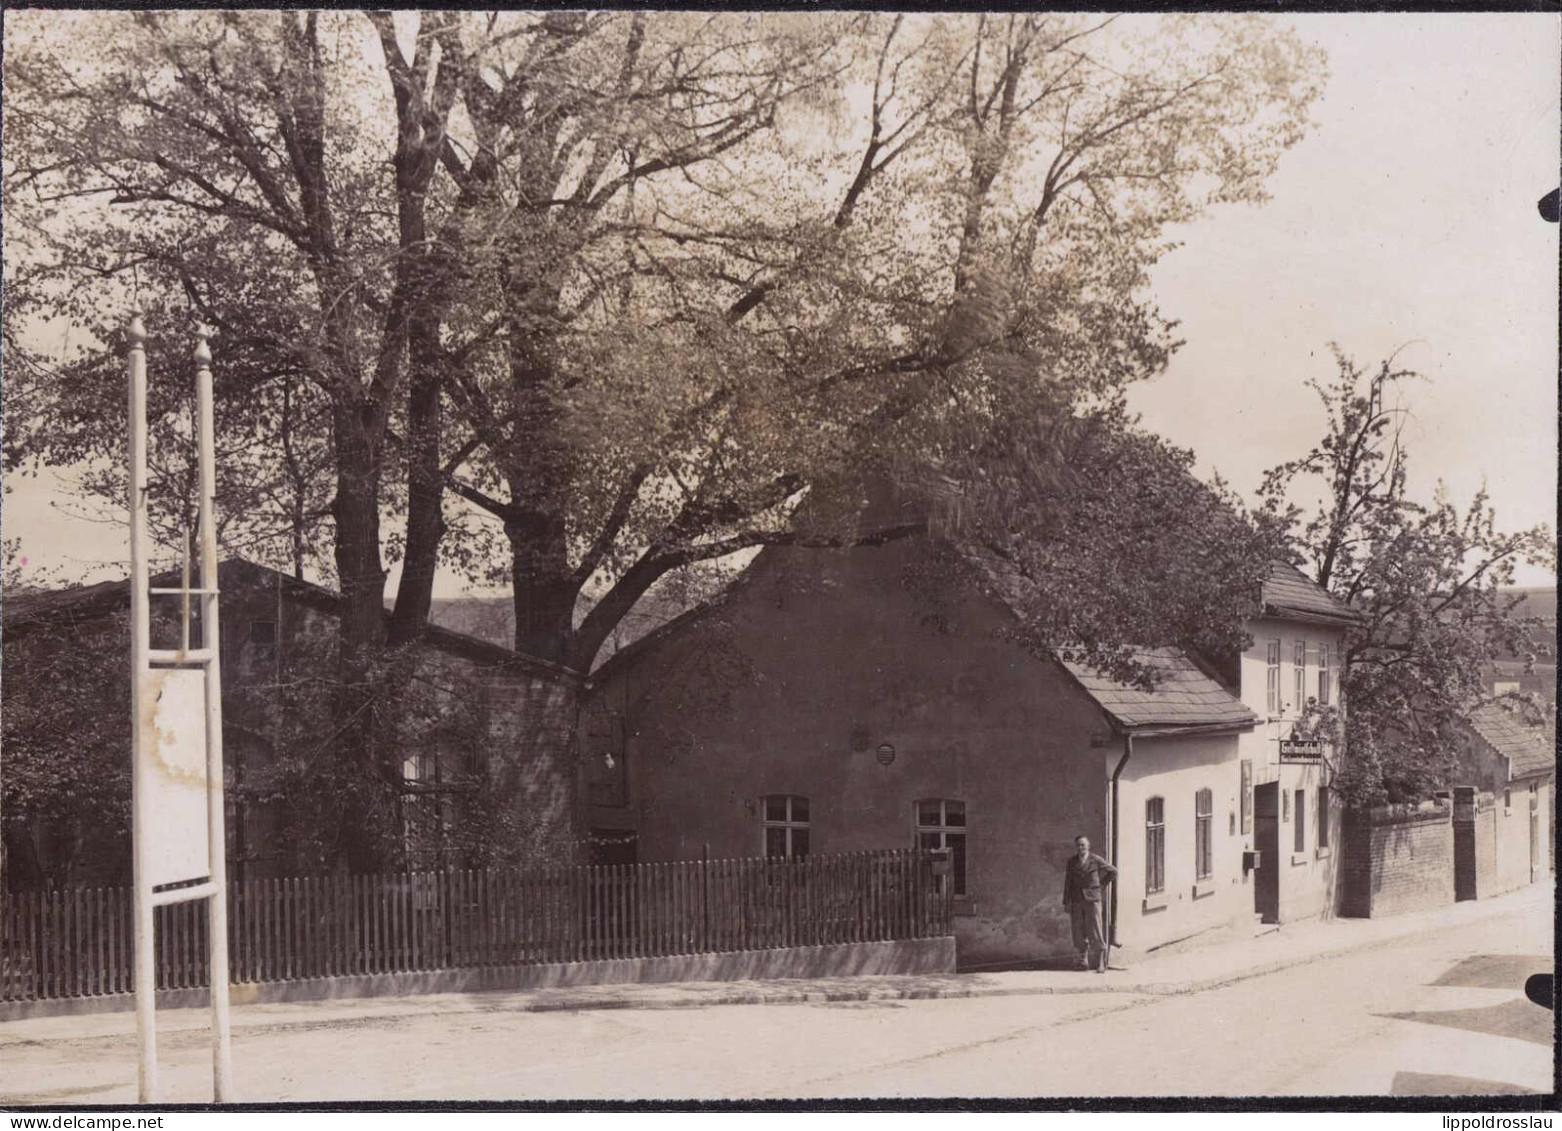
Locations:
(1082, 881)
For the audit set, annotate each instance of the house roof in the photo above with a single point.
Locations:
(38, 606)
(42, 607)
(1524, 746)
(1290, 594)
(1184, 695)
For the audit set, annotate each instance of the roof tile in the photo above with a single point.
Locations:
(1288, 590)
(1183, 696)
(1526, 747)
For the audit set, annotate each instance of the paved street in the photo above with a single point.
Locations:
(1437, 1012)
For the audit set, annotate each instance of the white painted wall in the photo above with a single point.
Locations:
(1306, 877)
(1176, 769)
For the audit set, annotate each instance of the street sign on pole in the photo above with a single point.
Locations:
(179, 844)
(174, 775)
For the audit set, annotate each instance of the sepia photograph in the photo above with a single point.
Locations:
(824, 560)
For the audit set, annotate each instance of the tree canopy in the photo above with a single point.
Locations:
(583, 300)
(1426, 578)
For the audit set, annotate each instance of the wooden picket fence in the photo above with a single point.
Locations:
(78, 942)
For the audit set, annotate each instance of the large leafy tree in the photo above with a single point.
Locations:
(231, 159)
(945, 225)
(1426, 578)
(631, 284)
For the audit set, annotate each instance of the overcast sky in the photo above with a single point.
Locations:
(1406, 220)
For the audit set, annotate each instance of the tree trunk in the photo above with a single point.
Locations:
(425, 484)
(544, 591)
(368, 802)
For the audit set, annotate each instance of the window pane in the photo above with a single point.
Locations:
(1301, 825)
(1205, 802)
(928, 841)
(1154, 859)
(775, 808)
(800, 809)
(929, 814)
(775, 842)
(799, 842)
(1153, 809)
(954, 813)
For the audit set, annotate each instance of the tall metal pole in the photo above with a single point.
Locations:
(140, 643)
(216, 843)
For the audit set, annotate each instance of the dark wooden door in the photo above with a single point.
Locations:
(1266, 839)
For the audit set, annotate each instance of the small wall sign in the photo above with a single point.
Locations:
(1301, 749)
(886, 754)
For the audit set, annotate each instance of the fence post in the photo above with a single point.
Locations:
(704, 896)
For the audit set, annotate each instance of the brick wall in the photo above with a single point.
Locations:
(1397, 859)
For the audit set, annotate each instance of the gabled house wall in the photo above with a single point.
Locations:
(823, 677)
(839, 677)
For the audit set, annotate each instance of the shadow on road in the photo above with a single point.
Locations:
(1495, 971)
(1518, 1018)
(1426, 1084)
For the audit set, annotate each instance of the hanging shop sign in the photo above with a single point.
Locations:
(1301, 749)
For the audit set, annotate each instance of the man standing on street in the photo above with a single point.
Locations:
(1083, 879)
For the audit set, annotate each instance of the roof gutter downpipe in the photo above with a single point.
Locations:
(1128, 752)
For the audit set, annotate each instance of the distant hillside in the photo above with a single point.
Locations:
(1538, 601)
(493, 618)
(487, 618)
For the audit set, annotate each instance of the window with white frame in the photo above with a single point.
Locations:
(786, 825)
(1324, 675)
(1272, 683)
(941, 824)
(1203, 846)
(1299, 674)
(1154, 845)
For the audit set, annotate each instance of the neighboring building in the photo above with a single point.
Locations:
(1515, 762)
(1289, 815)
(829, 704)
(479, 723)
